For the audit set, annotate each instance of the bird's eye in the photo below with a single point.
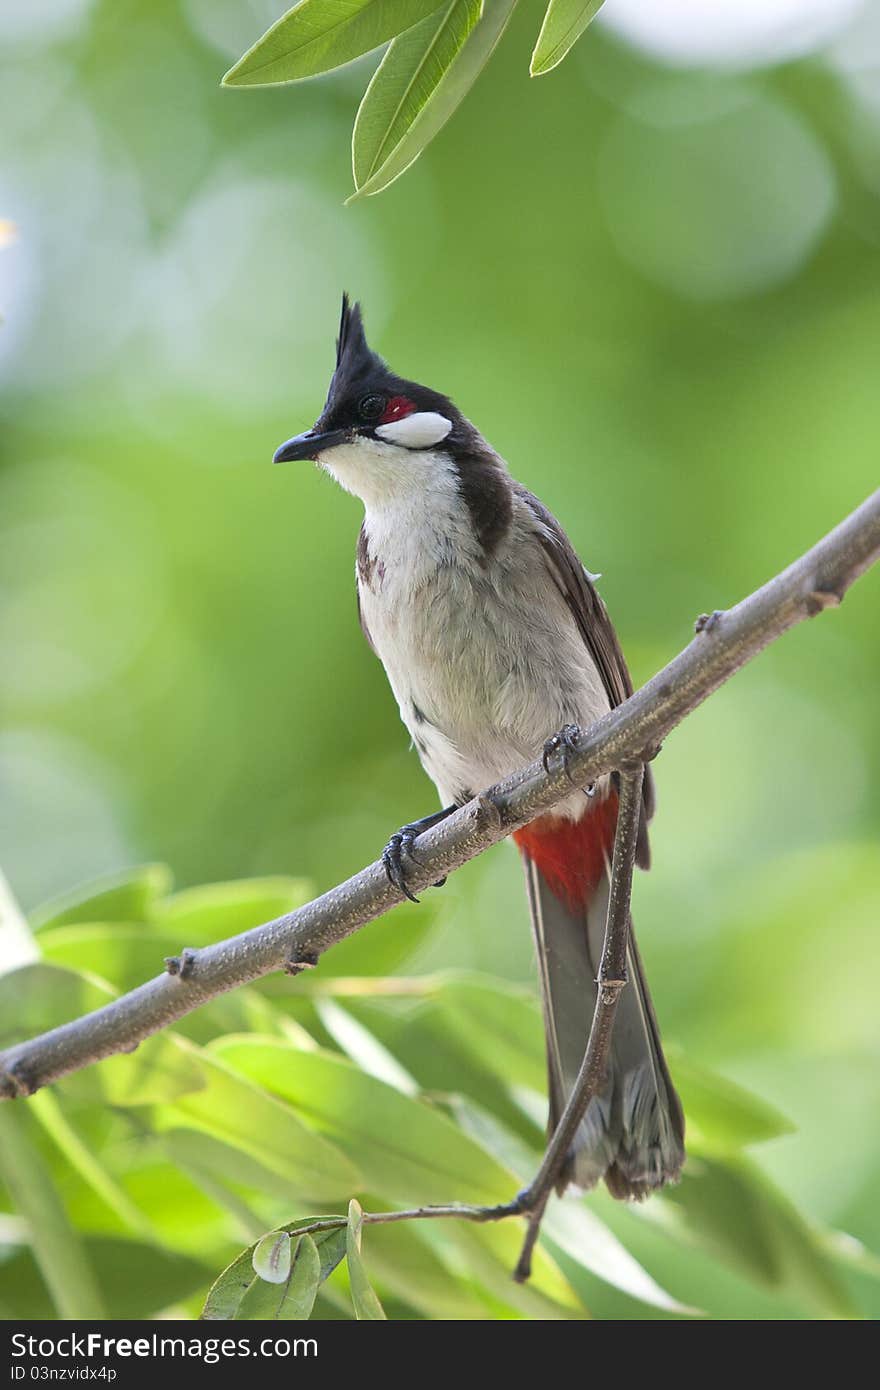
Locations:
(371, 407)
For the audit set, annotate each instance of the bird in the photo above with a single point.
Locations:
(499, 649)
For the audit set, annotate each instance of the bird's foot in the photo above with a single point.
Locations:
(400, 847)
(563, 744)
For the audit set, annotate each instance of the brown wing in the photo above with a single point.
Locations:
(595, 626)
(363, 570)
(364, 629)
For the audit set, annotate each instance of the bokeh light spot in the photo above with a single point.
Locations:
(719, 207)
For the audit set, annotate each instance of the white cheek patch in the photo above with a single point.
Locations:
(418, 431)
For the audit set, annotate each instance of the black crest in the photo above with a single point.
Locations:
(355, 361)
(359, 371)
(351, 344)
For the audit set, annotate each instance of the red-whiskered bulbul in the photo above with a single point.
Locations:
(494, 638)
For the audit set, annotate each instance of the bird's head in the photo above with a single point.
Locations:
(377, 432)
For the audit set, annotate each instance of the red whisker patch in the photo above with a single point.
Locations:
(397, 409)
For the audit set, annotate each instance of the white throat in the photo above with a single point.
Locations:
(386, 475)
(416, 520)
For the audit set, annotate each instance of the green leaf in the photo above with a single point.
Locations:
(424, 1039)
(319, 35)
(38, 997)
(57, 1249)
(199, 916)
(358, 1043)
(845, 1250)
(243, 1114)
(302, 1286)
(499, 1021)
(271, 1257)
(366, 1305)
(405, 82)
(331, 1248)
(124, 954)
(721, 1116)
(491, 1251)
(245, 1010)
(261, 1301)
(563, 25)
(159, 1070)
(188, 1216)
(433, 113)
(729, 1208)
(227, 1292)
(406, 1150)
(136, 1281)
(215, 1194)
(80, 1157)
(288, 1275)
(579, 1233)
(220, 1167)
(124, 897)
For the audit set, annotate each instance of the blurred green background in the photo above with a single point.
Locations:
(653, 280)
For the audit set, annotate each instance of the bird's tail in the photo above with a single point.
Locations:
(633, 1132)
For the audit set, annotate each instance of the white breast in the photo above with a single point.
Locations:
(485, 659)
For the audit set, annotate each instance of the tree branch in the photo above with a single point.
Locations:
(629, 734)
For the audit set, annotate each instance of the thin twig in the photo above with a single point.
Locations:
(611, 981)
(457, 1211)
(631, 732)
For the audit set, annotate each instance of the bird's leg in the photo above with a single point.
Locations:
(400, 846)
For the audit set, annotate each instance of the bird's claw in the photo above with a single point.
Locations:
(564, 744)
(398, 848)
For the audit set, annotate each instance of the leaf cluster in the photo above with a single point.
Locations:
(129, 1186)
(434, 57)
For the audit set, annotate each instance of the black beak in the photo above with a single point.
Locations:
(309, 445)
